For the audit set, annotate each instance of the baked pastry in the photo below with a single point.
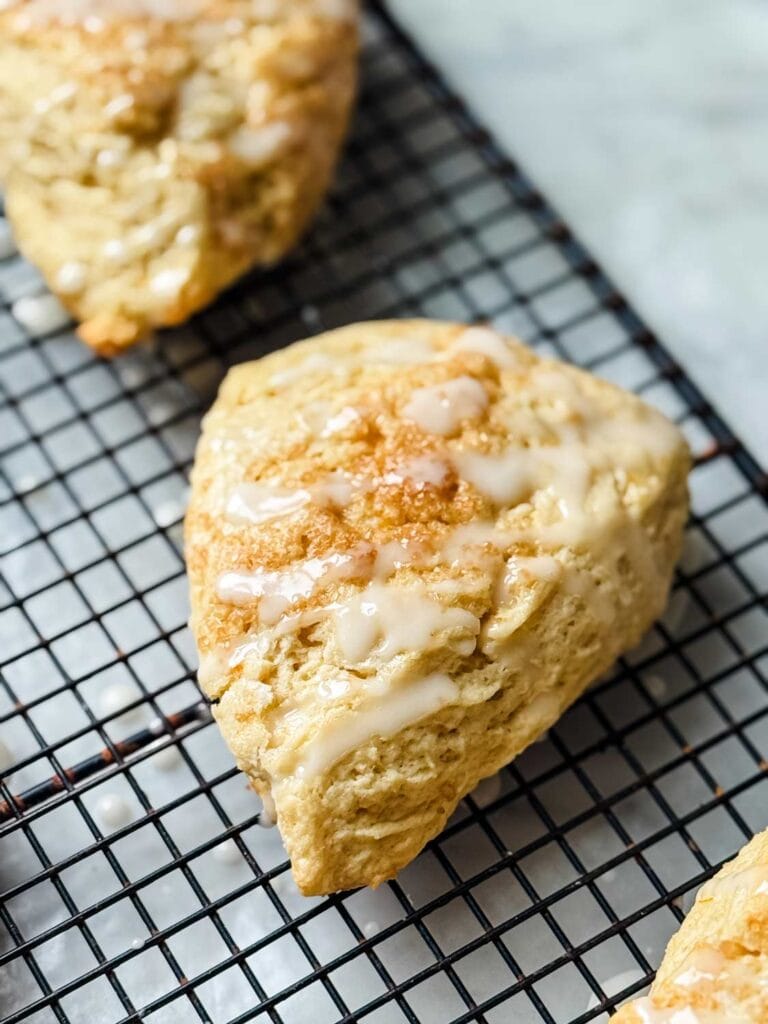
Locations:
(715, 968)
(411, 545)
(153, 150)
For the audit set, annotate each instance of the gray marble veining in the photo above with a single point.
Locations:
(647, 125)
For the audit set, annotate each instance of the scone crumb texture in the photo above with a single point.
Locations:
(411, 545)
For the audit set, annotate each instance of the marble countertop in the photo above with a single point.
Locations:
(646, 124)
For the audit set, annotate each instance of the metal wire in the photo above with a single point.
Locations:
(98, 763)
(548, 897)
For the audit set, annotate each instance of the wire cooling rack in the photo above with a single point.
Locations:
(136, 883)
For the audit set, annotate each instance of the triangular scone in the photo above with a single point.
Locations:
(411, 545)
(715, 969)
(153, 150)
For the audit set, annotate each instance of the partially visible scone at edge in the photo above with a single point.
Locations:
(411, 545)
(715, 969)
(153, 150)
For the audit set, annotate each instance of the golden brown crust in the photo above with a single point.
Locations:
(716, 966)
(338, 410)
(149, 162)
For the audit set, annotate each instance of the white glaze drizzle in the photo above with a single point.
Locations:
(337, 489)
(302, 620)
(520, 569)
(168, 512)
(708, 970)
(442, 408)
(40, 314)
(95, 12)
(188, 234)
(753, 881)
(379, 716)
(389, 558)
(268, 813)
(538, 567)
(511, 477)
(488, 343)
(332, 689)
(227, 852)
(216, 664)
(115, 250)
(703, 964)
(339, 421)
(382, 621)
(71, 277)
(116, 697)
(110, 158)
(313, 416)
(261, 503)
(119, 105)
(505, 479)
(113, 810)
(259, 146)
(277, 590)
(401, 352)
(316, 362)
(168, 283)
(421, 471)
(166, 759)
(472, 544)
(391, 620)
(565, 472)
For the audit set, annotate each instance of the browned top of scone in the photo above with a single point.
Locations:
(715, 967)
(337, 407)
(410, 546)
(130, 58)
(153, 150)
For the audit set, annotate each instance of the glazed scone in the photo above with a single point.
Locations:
(715, 969)
(153, 150)
(410, 546)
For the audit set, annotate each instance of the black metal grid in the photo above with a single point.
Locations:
(550, 884)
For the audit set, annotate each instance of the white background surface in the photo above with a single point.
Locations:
(75, 579)
(646, 123)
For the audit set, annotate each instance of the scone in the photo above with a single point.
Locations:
(153, 150)
(715, 968)
(411, 545)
